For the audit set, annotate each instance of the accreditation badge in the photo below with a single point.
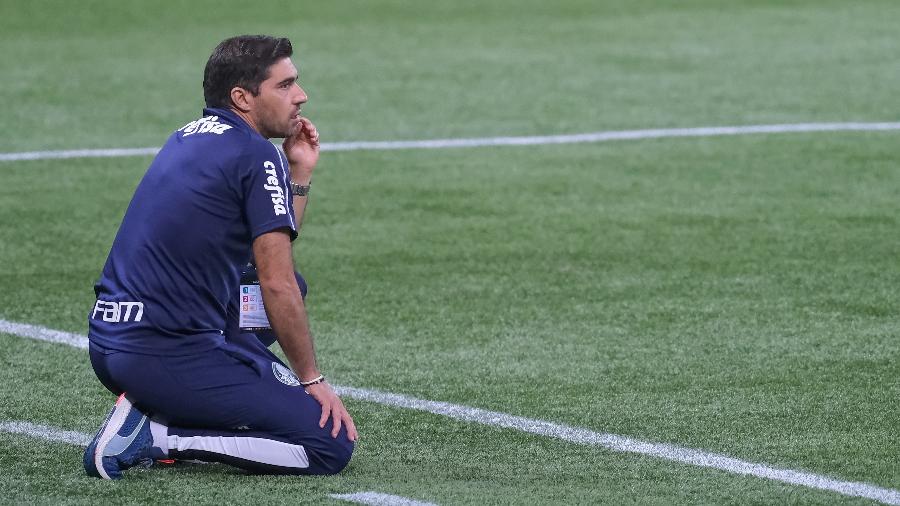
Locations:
(252, 311)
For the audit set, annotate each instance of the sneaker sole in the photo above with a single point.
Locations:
(112, 427)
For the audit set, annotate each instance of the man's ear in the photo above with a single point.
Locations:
(241, 99)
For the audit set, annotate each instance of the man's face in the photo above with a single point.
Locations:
(276, 109)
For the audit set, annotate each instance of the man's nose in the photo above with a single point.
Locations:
(301, 97)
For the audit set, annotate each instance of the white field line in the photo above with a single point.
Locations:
(45, 432)
(77, 153)
(618, 443)
(612, 135)
(379, 499)
(43, 334)
(578, 435)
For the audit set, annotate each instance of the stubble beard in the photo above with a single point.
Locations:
(271, 128)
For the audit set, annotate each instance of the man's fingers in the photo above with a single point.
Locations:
(336, 419)
(333, 408)
(312, 133)
(326, 409)
(351, 427)
(307, 129)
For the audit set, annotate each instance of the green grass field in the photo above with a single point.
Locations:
(731, 294)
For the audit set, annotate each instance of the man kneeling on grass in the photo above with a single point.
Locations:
(165, 333)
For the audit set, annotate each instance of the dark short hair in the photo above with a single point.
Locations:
(242, 61)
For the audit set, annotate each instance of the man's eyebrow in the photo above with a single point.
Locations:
(289, 80)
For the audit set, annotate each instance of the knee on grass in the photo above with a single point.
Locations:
(330, 457)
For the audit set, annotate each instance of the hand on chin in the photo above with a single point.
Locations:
(293, 125)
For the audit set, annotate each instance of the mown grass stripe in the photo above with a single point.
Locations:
(578, 435)
(590, 137)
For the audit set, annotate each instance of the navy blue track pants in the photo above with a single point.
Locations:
(237, 404)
